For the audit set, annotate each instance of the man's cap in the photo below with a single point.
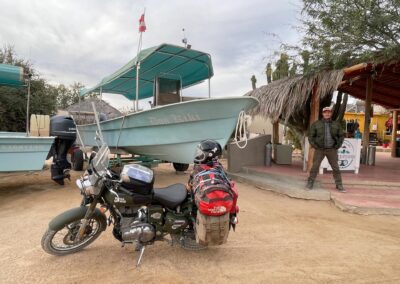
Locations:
(327, 109)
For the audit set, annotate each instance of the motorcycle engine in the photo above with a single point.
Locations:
(135, 229)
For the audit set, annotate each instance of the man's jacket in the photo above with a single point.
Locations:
(316, 134)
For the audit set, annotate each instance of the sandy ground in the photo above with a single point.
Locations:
(278, 240)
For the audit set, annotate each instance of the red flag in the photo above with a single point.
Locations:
(142, 25)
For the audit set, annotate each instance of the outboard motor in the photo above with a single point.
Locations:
(64, 129)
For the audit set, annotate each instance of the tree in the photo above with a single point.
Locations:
(13, 101)
(45, 98)
(305, 56)
(293, 70)
(63, 96)
(339, 33)
(282, 70)
(342, 32)
(8, 56)
(68, 95)
(75, 91)
(12, 109)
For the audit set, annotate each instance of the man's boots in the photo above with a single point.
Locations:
(340, 188)
(310, 184)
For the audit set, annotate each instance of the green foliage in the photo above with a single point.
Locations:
(339, 33)
(45, 98)
(283, 70)
(13, 101)
(8, 56)
(342, 32)
(293, 70)
(13, 104)
(268, 73)
(282, 67)
(68, 95)
(292, 136)
(305, 56)
(253, 80)
(12, 109)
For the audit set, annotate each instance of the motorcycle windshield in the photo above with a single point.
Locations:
(101, 160)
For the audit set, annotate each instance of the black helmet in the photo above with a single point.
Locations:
(207, 151)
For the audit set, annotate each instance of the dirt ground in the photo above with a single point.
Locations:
(278, 240)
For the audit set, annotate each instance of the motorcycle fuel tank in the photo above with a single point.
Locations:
(119, 198)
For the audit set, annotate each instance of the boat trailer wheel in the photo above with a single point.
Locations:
(180, 167)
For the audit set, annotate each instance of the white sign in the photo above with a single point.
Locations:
(348, 155)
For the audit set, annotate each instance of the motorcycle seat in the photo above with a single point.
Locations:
(170, 196)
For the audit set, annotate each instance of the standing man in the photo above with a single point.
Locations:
(326, 137)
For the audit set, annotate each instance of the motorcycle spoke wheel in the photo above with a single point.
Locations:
(63, 241)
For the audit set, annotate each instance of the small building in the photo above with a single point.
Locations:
(354, 118)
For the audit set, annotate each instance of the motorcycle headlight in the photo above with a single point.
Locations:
(90, 190)
(85, 186)
(79, 184)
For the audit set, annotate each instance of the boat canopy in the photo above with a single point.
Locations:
(11, 76)
(188, 66)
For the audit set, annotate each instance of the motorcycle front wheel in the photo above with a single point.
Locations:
(63, 242)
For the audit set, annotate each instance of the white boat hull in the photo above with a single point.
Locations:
(171, 132)
(21, 153)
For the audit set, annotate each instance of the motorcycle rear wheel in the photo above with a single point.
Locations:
(62, 242)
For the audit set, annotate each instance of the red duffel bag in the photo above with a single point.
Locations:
(214, 193)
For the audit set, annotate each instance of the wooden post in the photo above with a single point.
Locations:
(394, 132)
(275, 132)
(314, 116)
(367, 118)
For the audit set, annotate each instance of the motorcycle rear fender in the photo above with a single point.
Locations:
(73, 214)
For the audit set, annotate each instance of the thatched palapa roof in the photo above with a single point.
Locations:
(282, 98)
(83, 111)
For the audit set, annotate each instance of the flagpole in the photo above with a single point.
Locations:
(141, 30)
(27, 104)
(137, 73)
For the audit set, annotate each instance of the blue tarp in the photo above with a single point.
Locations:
(12, 76)
(166, 61)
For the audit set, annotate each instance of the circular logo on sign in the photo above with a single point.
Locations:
(346, 155)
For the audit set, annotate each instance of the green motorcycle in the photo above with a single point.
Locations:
(138, 213)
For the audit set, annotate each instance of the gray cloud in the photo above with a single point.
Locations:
(86, 40)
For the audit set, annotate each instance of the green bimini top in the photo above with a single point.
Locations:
(11, 76)
(167, 61)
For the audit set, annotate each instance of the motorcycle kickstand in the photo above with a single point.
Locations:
(141, 251)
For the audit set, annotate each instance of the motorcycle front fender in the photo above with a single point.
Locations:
(75, 214)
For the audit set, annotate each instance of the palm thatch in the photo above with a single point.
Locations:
(281, 99)
(83, 111)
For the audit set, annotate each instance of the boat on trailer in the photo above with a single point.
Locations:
(172, 128)
(21, 151)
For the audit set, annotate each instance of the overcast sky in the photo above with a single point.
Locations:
(84, 41)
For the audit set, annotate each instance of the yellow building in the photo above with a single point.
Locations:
(377, 123)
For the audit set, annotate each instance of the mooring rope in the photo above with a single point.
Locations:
(241, 130)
